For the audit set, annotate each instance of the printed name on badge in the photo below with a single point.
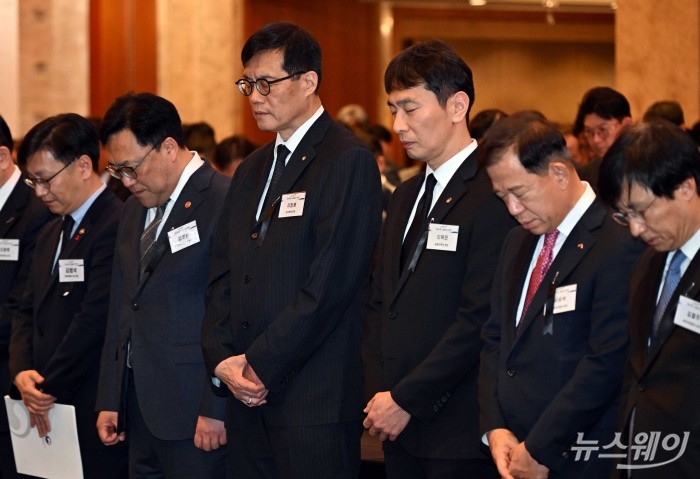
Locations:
(292, 204)
(688, 314)
(71, 270)
(442, 237)
(184, 236)
(565, 299)
(9, 249)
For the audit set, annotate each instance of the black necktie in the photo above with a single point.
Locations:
(67, 229)
(282, 153)
(419, 220)
(148, 238)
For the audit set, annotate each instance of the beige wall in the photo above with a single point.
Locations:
(658, 54)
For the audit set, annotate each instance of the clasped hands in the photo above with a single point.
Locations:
(385, 417)
(37, 402)
(242, 381)
(512, 458)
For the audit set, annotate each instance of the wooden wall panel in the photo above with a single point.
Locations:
(122, 50)
(348, 34)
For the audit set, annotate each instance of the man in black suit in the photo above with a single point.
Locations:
(555, 343)
(430, 295)
(153, 383)
(59, 328)
(22, 214)
(651, 177)
(289, 273)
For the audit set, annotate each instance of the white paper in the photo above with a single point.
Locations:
(184, 236)
(688, 314)
(442, 237)
(56, 456)
(292, 204)
(71, 270)
(565, 299)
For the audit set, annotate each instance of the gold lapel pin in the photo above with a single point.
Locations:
(303, 158)
(580, 246)
(188, 204)
(81, 231)
(448, 200)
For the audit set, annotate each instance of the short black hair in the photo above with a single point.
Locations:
(301, 51)
(67, 137)
(436, 66)
(483, 120)
(657, 155)
(535, 142)
(231, 148)
(666, 110)
(604, 102)
(6, 135)
(149, 117)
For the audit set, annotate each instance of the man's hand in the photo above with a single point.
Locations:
(240, 378)
(36, 401)
(41, 422)
(524, 466)
(107, 428)
(210, 434)
(501, 442)
(385, 417)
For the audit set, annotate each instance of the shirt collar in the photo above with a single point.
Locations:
(446, 171)
(577, 212)
(6, 189)
(82, 210)
(296, 137)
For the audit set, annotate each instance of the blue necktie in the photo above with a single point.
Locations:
(673, 277)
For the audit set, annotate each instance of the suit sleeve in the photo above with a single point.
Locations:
(457, 353)
(347, 226)
(597, 379)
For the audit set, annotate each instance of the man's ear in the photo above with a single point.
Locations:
(5, 158)
(310, 82)
(561, 173)
(459, 104)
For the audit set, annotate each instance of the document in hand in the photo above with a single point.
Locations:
(56, 456)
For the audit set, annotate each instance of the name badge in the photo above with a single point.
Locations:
(184, 236)
(9, 249)
(688, 314)
(71, 270)
(292, 204)
(565, 299)
(442, 237)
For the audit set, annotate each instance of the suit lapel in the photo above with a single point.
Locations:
(405, 206)
(11, 211)
(686, 287)
(574, 249)
(521, 259)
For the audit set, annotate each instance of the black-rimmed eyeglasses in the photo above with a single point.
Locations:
(35, 182)
(624, 218)
(263, 85)
(120, 172)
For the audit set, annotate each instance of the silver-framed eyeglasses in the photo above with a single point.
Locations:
(263, 85)
(120, 172)
(35, 182)
(625, 218)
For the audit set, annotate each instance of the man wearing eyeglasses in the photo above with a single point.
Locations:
(651, 177)
(153, 387)
(603, 113)
(22, 215)
(555, 344)
(289, 271)
(59, 328)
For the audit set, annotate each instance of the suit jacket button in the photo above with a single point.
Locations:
(435, 408)
(254, 235)
(641, 387)
(246, 279)
(392, 315)
(444, 399)
(135, 306)
(511, 372)
(245, 324)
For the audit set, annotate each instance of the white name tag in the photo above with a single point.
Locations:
(184, 236)
(9, 249)
(292, 204)
(71, 270)
(688, 314)
(442, 237)
(565, 299)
